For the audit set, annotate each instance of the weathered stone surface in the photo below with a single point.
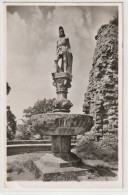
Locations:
(101, 98)
(61, 126)
(62, 81)
(60, 160)
(63, 105)
(56, 173)
(61, 144)
(52, 161)
(62, 123)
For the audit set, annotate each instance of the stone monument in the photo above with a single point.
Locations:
(63, 75)
(61, 163)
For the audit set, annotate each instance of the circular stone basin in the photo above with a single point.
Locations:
(62, 123)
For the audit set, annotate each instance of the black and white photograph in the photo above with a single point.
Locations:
(63, 104)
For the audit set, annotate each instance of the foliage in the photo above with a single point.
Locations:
(23, 132)
(41, 106)
(26, 131)
(11, 124)
(88, 148)
(8, 88)
(114, 21)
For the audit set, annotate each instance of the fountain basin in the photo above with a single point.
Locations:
(62, 123)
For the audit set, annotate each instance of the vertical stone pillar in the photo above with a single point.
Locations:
(61, 144)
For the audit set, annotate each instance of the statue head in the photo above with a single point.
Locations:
(61, 32)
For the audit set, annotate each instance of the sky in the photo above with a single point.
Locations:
(32, 32)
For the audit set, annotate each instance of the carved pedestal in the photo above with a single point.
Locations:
(62, 81)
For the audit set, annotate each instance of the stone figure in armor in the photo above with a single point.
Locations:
(63, 52)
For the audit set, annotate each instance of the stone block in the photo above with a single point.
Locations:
(60, 160)
(53, 172)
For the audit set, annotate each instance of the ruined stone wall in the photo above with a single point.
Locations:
(101, 98)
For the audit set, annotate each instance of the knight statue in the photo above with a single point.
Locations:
(63, 52)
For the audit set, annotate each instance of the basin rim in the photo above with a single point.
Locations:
(62, 113)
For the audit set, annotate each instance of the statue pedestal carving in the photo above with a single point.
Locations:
(62, 81)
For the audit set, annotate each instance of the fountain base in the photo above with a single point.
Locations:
(60, 164)
(52, 168)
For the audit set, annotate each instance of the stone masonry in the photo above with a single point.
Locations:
(101, 98)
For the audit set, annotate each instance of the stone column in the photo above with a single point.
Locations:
(61, 148)
(61, 144)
